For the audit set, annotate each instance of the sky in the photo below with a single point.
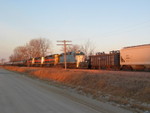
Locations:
(108, 24)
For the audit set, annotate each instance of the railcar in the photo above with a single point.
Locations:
(135, 57)
(19, 63)
(105, 61)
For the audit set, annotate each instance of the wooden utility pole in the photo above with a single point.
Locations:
(65, 48)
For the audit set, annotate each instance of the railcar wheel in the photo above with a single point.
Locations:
(126, 68)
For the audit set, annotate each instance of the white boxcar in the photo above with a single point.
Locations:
(135, 57)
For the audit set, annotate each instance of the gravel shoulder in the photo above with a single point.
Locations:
(21, 94)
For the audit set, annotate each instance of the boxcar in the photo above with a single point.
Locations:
(105, 61)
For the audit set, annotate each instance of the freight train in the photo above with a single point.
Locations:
(128, 58)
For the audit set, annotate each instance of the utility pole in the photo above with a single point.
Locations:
(65, 48)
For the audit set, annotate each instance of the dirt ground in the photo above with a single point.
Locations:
(125, 88)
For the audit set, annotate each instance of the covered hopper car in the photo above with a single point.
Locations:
(135, 57)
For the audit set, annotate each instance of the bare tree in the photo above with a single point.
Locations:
(88, 48)
(2, 61)
(38, 47)
(19, 53)
(11, 58)
(74, 48)
(44, 46)
(35, 48)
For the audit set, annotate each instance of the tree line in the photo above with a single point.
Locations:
(39, 47)
(34, 48)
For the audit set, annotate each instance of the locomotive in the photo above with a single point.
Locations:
(73, 59)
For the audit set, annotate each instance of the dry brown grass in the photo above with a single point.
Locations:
(120, 84)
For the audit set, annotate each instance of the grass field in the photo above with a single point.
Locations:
(125, 88)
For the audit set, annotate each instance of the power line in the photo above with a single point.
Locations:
(124, 29)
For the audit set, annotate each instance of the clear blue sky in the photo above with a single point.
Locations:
(109, 24)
